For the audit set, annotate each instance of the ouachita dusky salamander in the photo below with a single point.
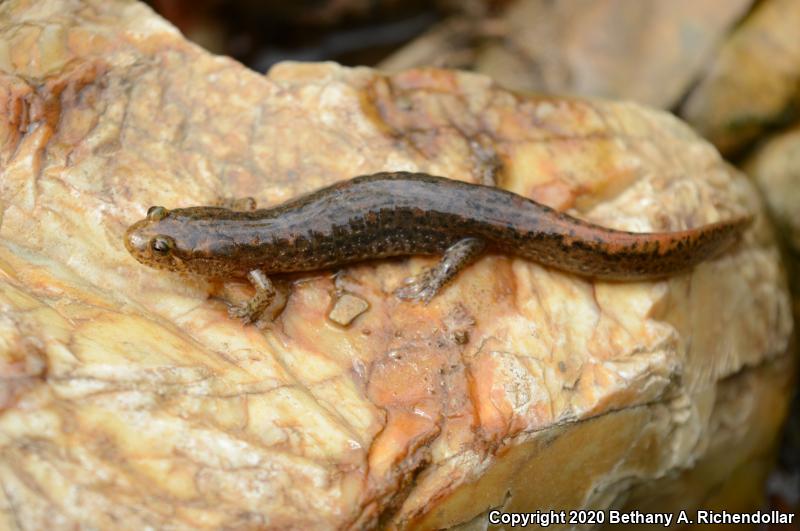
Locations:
(396, 214)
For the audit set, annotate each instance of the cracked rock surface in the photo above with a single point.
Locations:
(129, 399)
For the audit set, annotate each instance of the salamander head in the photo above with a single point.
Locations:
(175, 240)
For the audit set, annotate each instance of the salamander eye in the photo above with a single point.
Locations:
(161, 245)
(156, 213)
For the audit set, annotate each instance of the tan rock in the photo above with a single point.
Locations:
(650, 52)
(347, 308)
(752, 84)
(776, 170)
(130, 398)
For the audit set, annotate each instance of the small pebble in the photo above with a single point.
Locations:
(347, 308)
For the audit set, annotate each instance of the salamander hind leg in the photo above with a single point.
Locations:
(252, 310)
(427, 284)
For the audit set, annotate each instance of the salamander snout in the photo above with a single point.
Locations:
(146, 242)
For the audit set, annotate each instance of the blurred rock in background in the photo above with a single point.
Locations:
(260, 34)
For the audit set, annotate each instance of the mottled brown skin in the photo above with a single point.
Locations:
(398, 214)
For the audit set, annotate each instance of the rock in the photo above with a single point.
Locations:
(752, 83)
(776, 170)
(131, 400)
(347, 308)
(650, 52)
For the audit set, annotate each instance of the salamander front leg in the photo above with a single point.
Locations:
(427, 284)
(251, 310)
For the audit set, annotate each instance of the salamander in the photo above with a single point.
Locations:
(400, 214)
